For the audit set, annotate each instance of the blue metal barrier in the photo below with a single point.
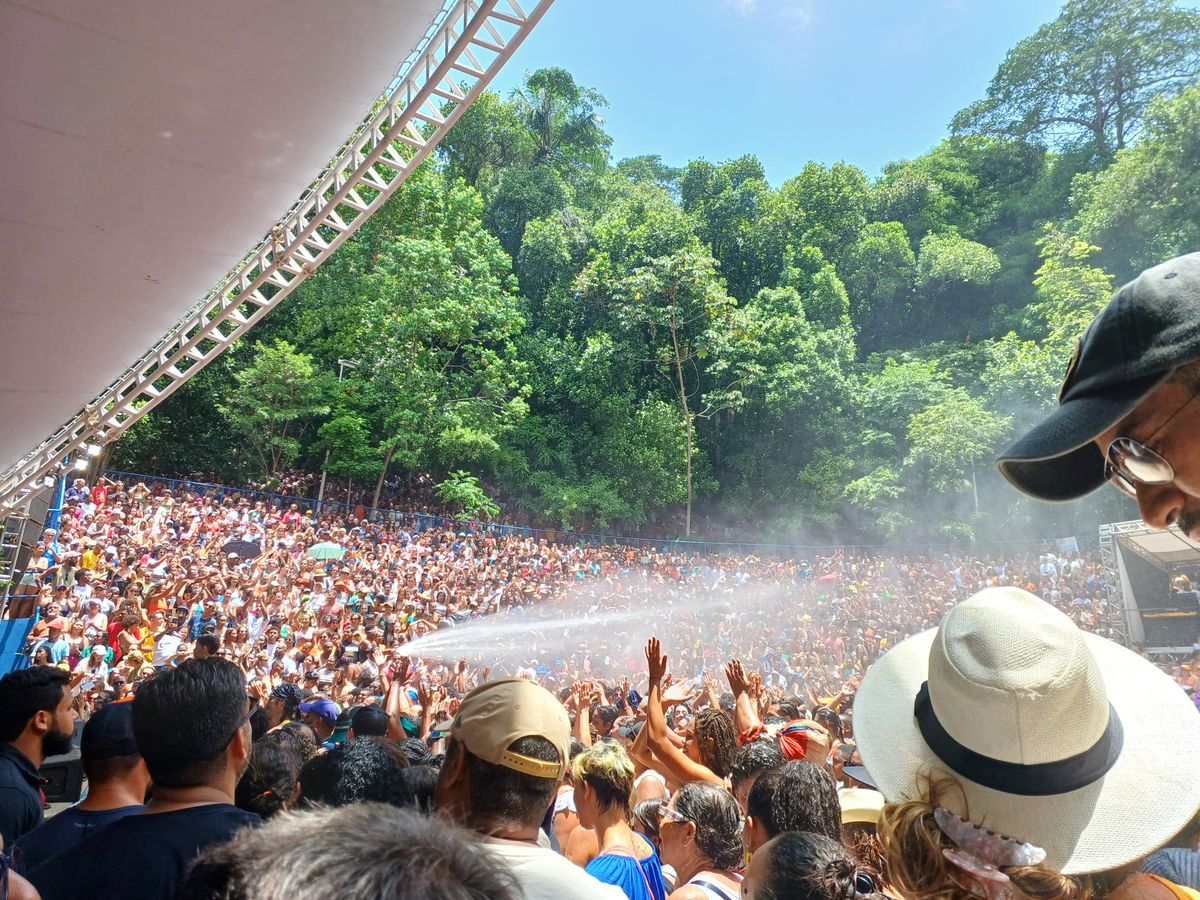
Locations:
(13, 634)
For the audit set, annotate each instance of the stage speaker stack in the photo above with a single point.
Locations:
(64, 773)
(1174, 624)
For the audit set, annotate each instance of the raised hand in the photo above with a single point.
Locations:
(736, 676)
(678, 693)
(656, 661)
(424, 696)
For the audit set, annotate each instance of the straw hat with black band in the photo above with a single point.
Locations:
(1057, 737)
(1150, 328)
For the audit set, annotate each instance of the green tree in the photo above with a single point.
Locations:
(1145, 208)
(650, 169)
(564, 119)
(1089, 75)
(276, 397)
(463, 491)
(347, 439)
(947, 438)
(947, 260)
(1070, 290)
(880, 269)
(683, 311)
(488, 138)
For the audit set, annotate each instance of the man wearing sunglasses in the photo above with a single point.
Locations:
(1127, 410)
(191, 725)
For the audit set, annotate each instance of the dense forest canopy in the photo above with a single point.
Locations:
(628, 345)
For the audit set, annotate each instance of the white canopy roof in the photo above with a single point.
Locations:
(1169, 548)
(146, 147)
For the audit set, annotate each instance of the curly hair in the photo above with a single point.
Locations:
(717, 741)
(362, 850)
(797, 796)
(358, 771)
(269, 782)
(912, 844)
(718, 821)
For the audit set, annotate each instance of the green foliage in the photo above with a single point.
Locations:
(347, 439)
(948, 437)
(274, 398)
(564, 119)
(636, 346)
(463, 491)
(946, 260)
(880, 270)
(1070, 291)
(1088, 76)
(1142, 209)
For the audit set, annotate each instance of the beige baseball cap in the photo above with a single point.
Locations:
(860, 806)
(496, 714)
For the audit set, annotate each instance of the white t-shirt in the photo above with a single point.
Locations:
(166, 647)
(544, 875)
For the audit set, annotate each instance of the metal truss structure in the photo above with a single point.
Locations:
(473, 40)
(1111, 576)
(1166, 551)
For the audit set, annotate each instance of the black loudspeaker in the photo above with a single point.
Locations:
(64, 777)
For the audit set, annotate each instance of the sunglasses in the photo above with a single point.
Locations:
(1129, 462)
(666, 814)
(244, 719)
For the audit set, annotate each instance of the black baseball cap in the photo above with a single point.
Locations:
(109, 733)
(369, 721)
(1149, 329)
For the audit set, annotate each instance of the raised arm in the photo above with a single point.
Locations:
(678, 767)
(745, 716)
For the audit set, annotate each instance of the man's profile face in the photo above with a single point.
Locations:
(57, 739)
(1176, 503)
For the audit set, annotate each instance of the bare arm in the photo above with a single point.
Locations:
(583, 733)
(745, 716)
(675, 764)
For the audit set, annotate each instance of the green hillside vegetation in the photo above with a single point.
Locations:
(623, 345)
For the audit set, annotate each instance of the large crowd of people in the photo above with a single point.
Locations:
(280, 704)
(351, 639)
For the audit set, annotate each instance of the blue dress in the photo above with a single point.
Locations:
(639, 879)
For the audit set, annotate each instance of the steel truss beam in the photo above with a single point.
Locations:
(1112, 576)
(474, 39)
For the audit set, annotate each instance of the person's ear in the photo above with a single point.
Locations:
(454, 766)
(239, 747)
(754, 834)
(42, 721)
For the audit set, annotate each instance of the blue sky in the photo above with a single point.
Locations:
(865, 81)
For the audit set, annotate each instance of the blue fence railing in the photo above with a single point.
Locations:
(422, 521)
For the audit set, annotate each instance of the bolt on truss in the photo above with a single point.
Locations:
(472, 42)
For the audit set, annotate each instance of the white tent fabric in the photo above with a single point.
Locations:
(146, 147)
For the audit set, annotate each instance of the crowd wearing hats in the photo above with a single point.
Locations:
(261, 722)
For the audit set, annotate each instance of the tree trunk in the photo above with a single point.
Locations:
(687, 422)
(387, 461)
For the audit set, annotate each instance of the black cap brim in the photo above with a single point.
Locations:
(859, 773)
(1058, 459)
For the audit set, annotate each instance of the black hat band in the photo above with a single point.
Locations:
(1026, 780)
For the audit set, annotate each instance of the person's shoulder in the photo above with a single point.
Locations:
(688, 892)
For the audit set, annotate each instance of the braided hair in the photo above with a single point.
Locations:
(717, 741)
